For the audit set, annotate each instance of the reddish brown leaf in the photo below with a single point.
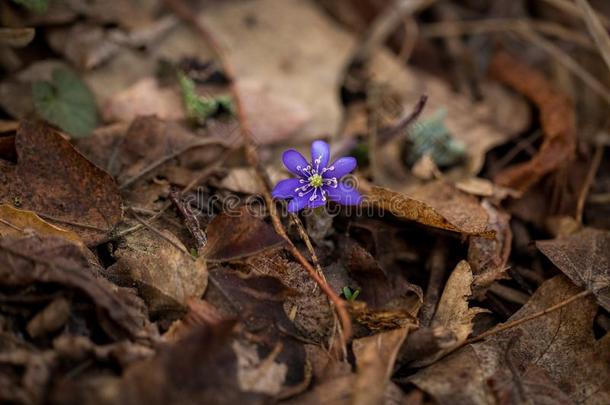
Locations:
(557, 116)
(237, 235)
(55, 181)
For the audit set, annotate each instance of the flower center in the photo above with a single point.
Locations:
(315, 180)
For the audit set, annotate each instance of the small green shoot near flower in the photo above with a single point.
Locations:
(200, 108)
(350, 294)
(194, 253)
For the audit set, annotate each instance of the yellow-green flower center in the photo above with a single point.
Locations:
(315, 180)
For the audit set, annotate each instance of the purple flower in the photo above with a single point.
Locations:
(318, 181)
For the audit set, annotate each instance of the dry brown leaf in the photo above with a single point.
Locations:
(143, 97)
(557, 117)
(309, 309)
(315, 54)
(239, 234)
(49, 262)
(436, 204)
(85, 45)
(158, 269)
(375, 357)
(478, 125)
(54, 180)
(201, 368)
(16, 37)
(585, 258)
(542, 361)
(15, 222)
(258, 302)
(488, 257)
(453, 312)
(244, 180)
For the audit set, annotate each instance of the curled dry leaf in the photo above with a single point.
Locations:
(16, 222)
(585, 258)
(258, 302)
(546, 360)
(55, 181)
(436, 204)
(163, 274)
(453, 313)
(48, 261)
(375, 357)
(557, 118)
(239, 234)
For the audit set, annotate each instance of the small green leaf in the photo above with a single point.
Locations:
(349, 294)
(37, 6)
(66, 102)
(199, 108)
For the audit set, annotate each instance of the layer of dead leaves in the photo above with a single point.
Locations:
(139, 264)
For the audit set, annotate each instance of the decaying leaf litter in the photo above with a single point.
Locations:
(143, 257)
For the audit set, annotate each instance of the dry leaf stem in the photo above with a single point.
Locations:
(186, 14)
(517, 322)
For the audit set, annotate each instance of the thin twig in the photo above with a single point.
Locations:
(494, 25)
(186, 14)
(517, 322)
(582, 197)
(160, 234)
(569, 7)
(386, 23)
(73, 223)
(197, 180)
(596, 29)
(164, 159)
(570, 63)
(308, 244)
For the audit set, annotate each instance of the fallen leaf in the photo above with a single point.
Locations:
(200, 368)
(308, 308)
(453, 312)
(16, 37)
(144, 97)
(375, 357)
(245, 180)
(162, 273)
(239, 234)
(67, 102)
(557, 118)
(539, 351)
(260, 53)
(55, 181)
(436, 204)
(85, 45)
(50, 261)
(584, 257)
(51, 318)
(15, 222)
(477, 125)
(257, 301)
